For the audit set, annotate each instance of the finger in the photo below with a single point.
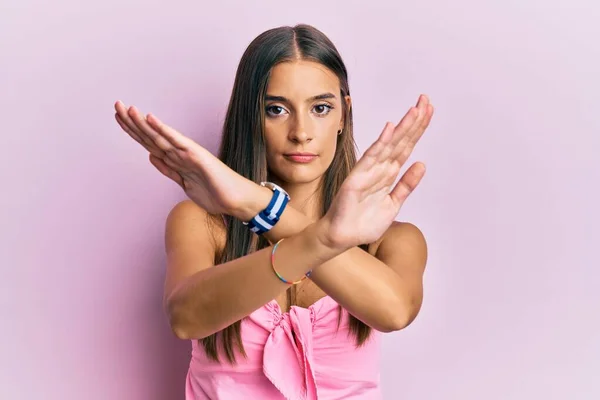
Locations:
(407, 144)
(378, 149)
(128, 130)
(402, 132)
(152, 149)
(147, 131)
(403, 152)
(421, 107)
(407, 184)
(424, 124)
(405, 126)
(427, 113)
(183, 151)
(166, 170)
(372, 166)
(123, 113)
(175, 138)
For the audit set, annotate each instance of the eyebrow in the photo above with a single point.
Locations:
(282, 99)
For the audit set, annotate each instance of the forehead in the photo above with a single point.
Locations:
(302, 79)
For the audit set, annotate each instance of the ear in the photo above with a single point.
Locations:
(348, 101)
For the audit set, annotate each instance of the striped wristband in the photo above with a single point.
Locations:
(265, 220)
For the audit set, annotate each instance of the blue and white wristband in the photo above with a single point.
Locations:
(265, 220)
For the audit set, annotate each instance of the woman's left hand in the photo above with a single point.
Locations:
(370, 198)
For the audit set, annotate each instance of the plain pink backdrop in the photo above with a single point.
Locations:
(509, 204)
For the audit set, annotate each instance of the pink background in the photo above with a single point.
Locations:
(509, 204)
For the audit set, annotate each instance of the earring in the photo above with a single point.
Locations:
(340, 132)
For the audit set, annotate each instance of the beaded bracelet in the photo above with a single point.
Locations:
(281, 278)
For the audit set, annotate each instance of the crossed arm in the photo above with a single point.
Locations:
(384, 291)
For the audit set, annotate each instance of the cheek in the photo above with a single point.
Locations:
(329, 137)
(273, 138)
(273, 145)
(329, 152)
(326, 127)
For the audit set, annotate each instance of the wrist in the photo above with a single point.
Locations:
(322, 241)
(255, 202)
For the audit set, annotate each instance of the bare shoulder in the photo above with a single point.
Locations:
(192, 238)
(188, 221)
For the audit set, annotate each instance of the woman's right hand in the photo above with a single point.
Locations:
(205, 179)
(368, 201)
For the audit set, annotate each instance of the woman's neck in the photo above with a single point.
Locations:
(306, 198)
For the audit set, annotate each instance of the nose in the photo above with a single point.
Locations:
(298, 132)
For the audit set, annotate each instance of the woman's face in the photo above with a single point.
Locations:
(303, 114)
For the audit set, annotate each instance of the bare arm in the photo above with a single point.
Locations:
(385, 291)
(209, 299)
(201, 300)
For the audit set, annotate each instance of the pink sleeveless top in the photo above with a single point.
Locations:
(300, 354)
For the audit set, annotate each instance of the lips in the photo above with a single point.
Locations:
(301, 157)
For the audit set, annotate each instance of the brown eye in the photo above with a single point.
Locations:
(323, 109)
(275, 110)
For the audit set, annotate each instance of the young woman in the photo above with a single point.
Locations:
(286, 262)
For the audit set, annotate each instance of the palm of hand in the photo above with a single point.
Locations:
(360, 218)
(368, 200)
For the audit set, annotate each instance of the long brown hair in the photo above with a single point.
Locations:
(243, 147)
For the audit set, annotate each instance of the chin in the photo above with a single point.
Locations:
(299, 174)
